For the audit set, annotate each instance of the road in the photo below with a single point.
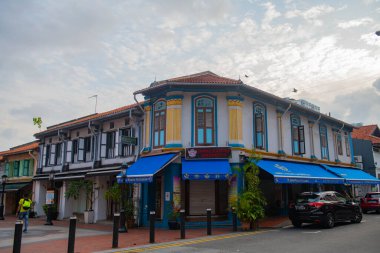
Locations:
(345, 237)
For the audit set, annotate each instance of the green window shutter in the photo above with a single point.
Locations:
(25, 167)
(7, 171)
(31, 167)
(11, 167)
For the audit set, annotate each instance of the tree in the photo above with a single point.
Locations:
(37, 121)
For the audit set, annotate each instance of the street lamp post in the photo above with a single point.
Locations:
(123, 228)
(3, 183)
(49, 215)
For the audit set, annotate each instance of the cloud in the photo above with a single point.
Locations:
(355, 23)
(312, 14)
(270, 14)
(371, 39)
(376, 84)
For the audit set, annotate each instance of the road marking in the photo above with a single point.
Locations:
(364, 220)
(190, 242)
(315, 232)
(289, 226)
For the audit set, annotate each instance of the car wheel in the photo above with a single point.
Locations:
(297, 223)
(357, 218)
(329, 221)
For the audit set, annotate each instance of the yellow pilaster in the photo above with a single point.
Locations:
(174, 122)
(147, 122)
(235, 121)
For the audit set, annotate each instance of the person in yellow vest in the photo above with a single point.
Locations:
(23, 210)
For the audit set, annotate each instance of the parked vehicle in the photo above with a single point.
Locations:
(325, 208)
(371, 202)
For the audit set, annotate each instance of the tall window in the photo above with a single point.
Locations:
(339, 146)
(347, 144)
(127, 149)
(110, 146)
(159, 124)
(259, 123)
(75, 151)
(58, 153)
(25, 170)
(16, 168)
(298, 135)
(204, 121)
(6, 172)
(47, 155)
(87, 149)
(324, 144)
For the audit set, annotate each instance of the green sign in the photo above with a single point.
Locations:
(127, 140)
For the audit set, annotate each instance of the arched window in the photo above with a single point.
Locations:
(324, 143)
(259, 123)
(159, 124)
(298, 135)
(204, 121)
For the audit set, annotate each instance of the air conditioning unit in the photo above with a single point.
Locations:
(358, 159)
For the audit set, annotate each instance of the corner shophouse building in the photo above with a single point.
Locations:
(19, 164)
(92, 147)
(195, 130)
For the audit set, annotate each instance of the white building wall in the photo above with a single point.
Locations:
(376, 158)
(272, 126)
(317, 141)
(39, 196)
(330, 140)
(100, 202)
(223, 120)
(247, 122)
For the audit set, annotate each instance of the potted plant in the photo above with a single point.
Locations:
(114, 194)
(173, 216)
(251, 203)
(54, 210)
(73, 191)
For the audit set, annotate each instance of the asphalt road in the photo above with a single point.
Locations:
(344, 237)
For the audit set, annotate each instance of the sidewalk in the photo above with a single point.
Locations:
(98, 237)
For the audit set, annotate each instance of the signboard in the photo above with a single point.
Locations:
(207, 153)
(49, 197)
(127, 140)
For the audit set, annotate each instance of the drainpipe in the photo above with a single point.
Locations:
(30, 153)
(95, 144)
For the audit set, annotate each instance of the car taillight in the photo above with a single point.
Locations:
(316, 204)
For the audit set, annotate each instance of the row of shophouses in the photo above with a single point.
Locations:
(182, 146)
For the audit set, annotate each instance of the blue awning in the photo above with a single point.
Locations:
(298, 173)
(143, 169)
(216, 169)
(353, 176)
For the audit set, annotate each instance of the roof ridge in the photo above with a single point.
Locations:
(193, 75)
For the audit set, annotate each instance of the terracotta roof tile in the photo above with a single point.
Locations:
(366, 133)
(20, 149)
(206, 77)
(87, 118)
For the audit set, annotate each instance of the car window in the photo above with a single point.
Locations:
(329, 197)
(340, 197)
(307, 198)
(373, 195)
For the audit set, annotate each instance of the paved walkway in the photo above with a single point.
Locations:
(98, 237)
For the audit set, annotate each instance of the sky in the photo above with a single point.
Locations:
(54, 55)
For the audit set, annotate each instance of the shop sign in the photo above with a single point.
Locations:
(207, 153)
(127, 140)
(49, 197)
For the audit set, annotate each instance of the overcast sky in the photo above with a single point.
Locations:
(54, 55)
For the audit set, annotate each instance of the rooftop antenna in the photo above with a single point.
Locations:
(96, 100)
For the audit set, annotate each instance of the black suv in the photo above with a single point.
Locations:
(325, 208)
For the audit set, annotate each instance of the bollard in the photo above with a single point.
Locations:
(208, 221)
(49, 216)
(123, 228)
(152, 220)
(234, 220)
(182, 223)
(115, 235)
(17, 237)
(72, 228)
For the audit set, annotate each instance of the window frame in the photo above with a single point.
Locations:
(321, 135)
(263, 126)
(339, 144)
(297, 135)
(110, 147)
(25, 167)
(159, 124)
(205, 119)
(347, 144)
(127, 150)
(18, 168)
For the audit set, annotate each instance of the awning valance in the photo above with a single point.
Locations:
(213, 169)
(143, 170)
(285, 172)
(12, 187)
(353, 176)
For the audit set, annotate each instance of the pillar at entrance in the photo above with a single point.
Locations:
(235, 112)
